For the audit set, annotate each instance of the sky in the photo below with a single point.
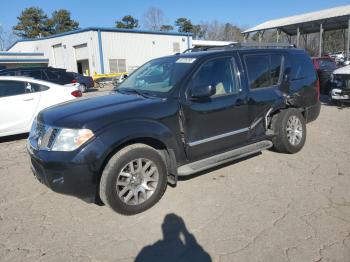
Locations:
(104, 13)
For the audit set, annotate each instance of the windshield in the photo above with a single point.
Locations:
(157, 76)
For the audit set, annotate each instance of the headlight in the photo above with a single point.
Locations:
(71, 139)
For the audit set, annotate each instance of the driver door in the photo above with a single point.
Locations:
(220, 122)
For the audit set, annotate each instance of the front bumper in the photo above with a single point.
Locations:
(72, 173)
(340, 94)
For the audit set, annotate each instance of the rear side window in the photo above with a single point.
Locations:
(11, 88)
(263, 70)
(52, 76)
(302, 67)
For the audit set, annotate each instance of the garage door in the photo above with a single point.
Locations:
(81, 52)
(58, 55)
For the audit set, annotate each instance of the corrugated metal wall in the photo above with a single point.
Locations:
(138, 48)
(135, 48)
(68, 42)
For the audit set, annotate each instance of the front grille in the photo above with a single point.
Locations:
(52, 138)
(42, 137)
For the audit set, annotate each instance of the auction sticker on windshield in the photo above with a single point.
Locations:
(186, 60)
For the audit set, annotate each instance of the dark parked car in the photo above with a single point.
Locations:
(50, 74)
(324, 67)
(175, 116)
(85, 82)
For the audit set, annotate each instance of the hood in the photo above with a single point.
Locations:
(342, 71)
(83, 112)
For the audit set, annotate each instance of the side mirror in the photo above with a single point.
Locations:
(203, 91)
(28, 88)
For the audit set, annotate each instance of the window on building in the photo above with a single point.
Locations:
(176, 47)
(117, 65)
(263, 70)
(11, 88)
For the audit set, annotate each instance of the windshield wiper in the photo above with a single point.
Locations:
(135, 91)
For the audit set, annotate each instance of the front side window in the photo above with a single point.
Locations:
(158, 76)
(263, 70)
(221, 72)
(11, 88)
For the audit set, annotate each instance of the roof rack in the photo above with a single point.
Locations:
(252, 45)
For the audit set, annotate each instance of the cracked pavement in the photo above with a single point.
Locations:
(270, 207)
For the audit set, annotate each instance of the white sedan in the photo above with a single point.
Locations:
(22, 98)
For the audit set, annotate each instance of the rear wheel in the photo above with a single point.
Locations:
(83, 88)
(290, 128)
(134, 179)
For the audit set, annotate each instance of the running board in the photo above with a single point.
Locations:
(223, 158)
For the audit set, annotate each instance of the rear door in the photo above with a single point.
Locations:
(18, 104)
(264, 79)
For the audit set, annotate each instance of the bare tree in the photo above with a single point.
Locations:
(6, 38)
(2, 38)
(153, 19)
(216, 30)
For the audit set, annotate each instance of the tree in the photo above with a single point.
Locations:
(184, 25)
(61, 22)
(166, 28)
(221, 31)
(127, 22)
(32, 23)
(153, 18)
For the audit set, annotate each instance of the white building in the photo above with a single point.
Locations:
(104, 50)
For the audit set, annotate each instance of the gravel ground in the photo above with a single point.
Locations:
(270, 207)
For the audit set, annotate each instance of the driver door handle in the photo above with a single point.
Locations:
(28, 99)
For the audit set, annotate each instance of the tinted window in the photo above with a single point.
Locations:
(263, 70)
(302, 67)
(11, 88)
(7, 73)
(51, 75)
(34, 74)
(275, 67)
(219, 72)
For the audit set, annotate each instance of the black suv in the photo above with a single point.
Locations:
(50, 74)
(175, 116)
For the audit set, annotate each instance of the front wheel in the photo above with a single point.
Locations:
(134, 179)
(290, 129)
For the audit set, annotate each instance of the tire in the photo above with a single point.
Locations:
(83, 88)
(293, 120)
(124, 173)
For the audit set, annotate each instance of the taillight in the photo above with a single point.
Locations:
(74, 81)
(77, 93)
(318, 89)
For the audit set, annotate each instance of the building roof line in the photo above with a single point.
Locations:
(102, 29)
(311, 17)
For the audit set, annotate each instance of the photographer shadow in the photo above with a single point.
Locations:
(178, 244)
